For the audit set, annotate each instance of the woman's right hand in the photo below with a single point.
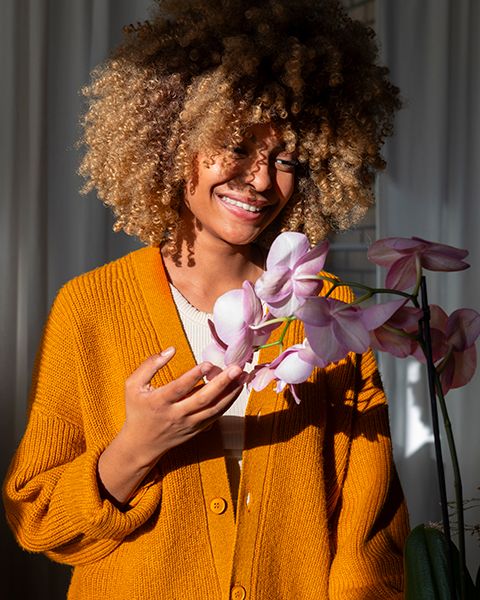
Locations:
(158, 419)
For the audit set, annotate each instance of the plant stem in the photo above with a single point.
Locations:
(424, 325)
(279, 342)
(457, 482)
(354, 284)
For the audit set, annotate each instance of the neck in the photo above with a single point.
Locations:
(207, 268)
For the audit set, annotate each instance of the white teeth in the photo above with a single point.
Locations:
(243, 205)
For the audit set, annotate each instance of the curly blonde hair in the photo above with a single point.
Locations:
(200, 72)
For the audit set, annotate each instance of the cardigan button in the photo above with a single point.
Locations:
(238, 593)
(218, 506)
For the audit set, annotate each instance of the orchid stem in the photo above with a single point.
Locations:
(273, 321)
(457, 482)
(279, 342)
(354, 284)
(424, 325)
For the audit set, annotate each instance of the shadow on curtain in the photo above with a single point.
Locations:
(48, 233)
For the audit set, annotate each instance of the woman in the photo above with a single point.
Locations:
(208, 132)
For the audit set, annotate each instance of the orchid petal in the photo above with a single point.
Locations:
(261, 332)
(442, 262)
(228, 315)
(391, 342)
(325, 344)
(293, 369)
(463, 328)
(317, 311)
(377, 314)
(295, 395)
(438, 318)
(313, 261)
(286, 308)
(406, 318)
(386, 251)
(252, 307)
(262, 378)
(275, 284)
(212, 353)
(240, 351)
(402, 274)
(441, 257)
(306, 353)
(305, 288)
(287, 249)
(215, 336)
(351, 332)
(465, 366)
(459, 369)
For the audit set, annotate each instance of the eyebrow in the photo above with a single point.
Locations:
(278, 148)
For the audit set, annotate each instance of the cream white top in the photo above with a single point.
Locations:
(195, 325)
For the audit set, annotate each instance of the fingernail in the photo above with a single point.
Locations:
(234, 371)
(168, 351)
(205, 368)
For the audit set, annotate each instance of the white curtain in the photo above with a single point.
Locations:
(48, 233)
(431, 190)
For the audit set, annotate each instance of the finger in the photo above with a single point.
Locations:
(183, 385)
(205, 417)
(222, 384)
(145, 372)
(214, 371)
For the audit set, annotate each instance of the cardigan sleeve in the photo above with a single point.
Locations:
(369, 523)
(51, 493)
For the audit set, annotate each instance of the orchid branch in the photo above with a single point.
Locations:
(290, 289)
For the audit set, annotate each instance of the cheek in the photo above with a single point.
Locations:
(286, 185)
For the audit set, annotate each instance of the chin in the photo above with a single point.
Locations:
(241, 239)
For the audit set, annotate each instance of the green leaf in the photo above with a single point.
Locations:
(426, 565)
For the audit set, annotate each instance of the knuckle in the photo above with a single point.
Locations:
(129, 383)
(203, 400)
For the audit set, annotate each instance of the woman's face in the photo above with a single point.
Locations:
(235, 202)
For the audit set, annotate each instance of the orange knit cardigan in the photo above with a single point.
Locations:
(320, 511)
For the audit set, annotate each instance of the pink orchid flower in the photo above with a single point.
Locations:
(402, 255)
(234, 315)
(333, 328)
(287, 281)
(461, 330)
(293, 366)
(393, 336)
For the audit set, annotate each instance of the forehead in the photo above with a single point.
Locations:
(264, 135)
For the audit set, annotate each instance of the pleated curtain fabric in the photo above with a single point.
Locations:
(48, 232)
(431, 190)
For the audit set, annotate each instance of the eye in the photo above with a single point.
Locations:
(286, 164)
(239, 151)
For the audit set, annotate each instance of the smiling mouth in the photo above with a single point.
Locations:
(243, 205)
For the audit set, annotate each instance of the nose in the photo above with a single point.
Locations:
(260, 176)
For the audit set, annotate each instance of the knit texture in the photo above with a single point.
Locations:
(320, 512)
